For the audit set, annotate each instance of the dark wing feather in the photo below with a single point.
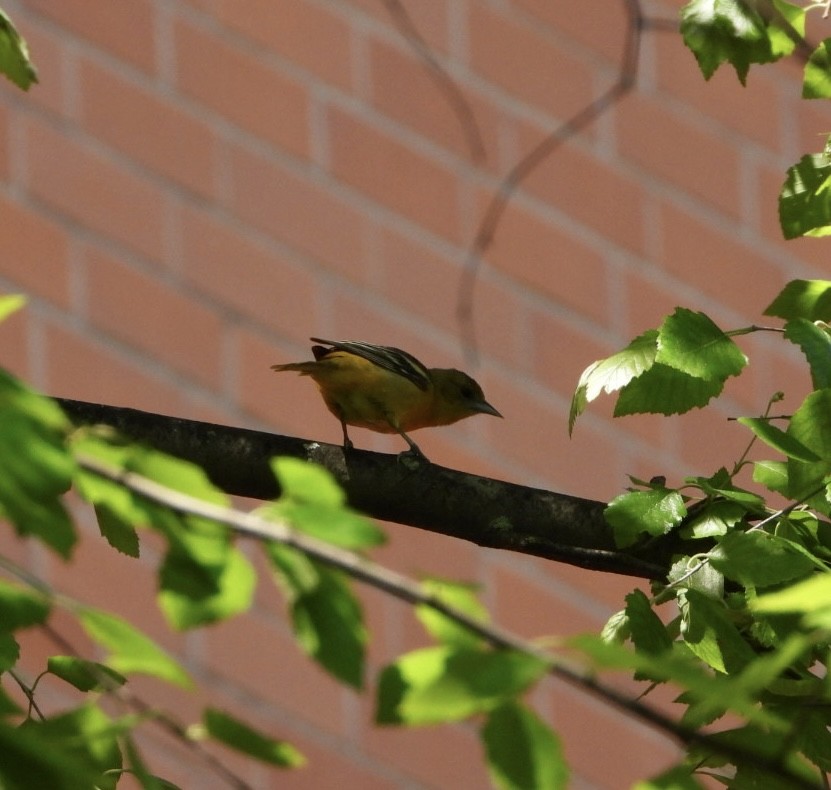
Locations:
(393, 359)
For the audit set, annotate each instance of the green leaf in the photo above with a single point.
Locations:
(805, 198)
(665, 390)
(84, 675)
(120, 534)
(21, 607)
(9, 651)
(811, 598)
(442, 684)
(779, 440)
(33, 759)
(808, 299)
(183, 476)
(195, 594)
(610, 374)
(636, 513)
(339, 525)
(130, 650)
(773, 475)
(758, 559)
(35, 467)
(676, 778)
(692, 343)
(710, 634)
(10, 303)
(714, 519)
(522, 752)
(459, 596)
(89, 733)
(811, 426)
(327, 617)
(817, 81)
(307, 482)
(815, 342)
(691, 573)
(648, 633)
(245, 739)
(14, 55)
(726, 31)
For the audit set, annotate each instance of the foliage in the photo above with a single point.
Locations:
(740, 629)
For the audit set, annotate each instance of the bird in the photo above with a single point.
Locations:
(388, 390)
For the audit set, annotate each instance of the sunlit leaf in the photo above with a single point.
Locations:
(247, 740)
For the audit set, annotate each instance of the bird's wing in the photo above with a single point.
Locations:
(393, 359)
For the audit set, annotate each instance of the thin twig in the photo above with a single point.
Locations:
(521, 170)
(445, 83)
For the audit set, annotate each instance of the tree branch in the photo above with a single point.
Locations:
(487, 512)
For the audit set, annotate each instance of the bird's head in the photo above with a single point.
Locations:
(458, 396)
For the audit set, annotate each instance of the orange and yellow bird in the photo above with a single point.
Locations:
(388, 390)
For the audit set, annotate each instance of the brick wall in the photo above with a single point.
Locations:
(196, 186)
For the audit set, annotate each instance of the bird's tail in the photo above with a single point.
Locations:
(303, 368)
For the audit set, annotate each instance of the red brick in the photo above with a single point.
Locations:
(750, 111)
(81, 368)
(35, 254)
(634, 751)
(284, 400)
(14, 356)
(5, 153)
(240, 87)
(126, 30)
(151, 130)
(247, 275)
(293, 210)
(277, 672)
(559, 352)
(427, 109)
(601, 27)
(397, 177)
(421, 280)
(94, 191)
(306, 34)
(429, 17)
(556, 264)
(678, 150)
(155, 318)
(527, 63)
(539, 606)
(446, 756)
(592, 191)
(716, 263)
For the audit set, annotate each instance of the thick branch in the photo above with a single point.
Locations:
(486, 512)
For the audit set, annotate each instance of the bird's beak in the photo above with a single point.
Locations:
(483, 407)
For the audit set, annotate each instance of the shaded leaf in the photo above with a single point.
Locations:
(21, 607)
(815, 342)
(758, 559)
(805, 198)
(665, 390)
(84, 675)
(245, 739)
(817, 80)
(130, 650)
(779, 440)
(808, 299)
(326, 615)
(522, 752)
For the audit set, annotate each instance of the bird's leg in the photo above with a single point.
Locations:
(414, 451)
(347, 442)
